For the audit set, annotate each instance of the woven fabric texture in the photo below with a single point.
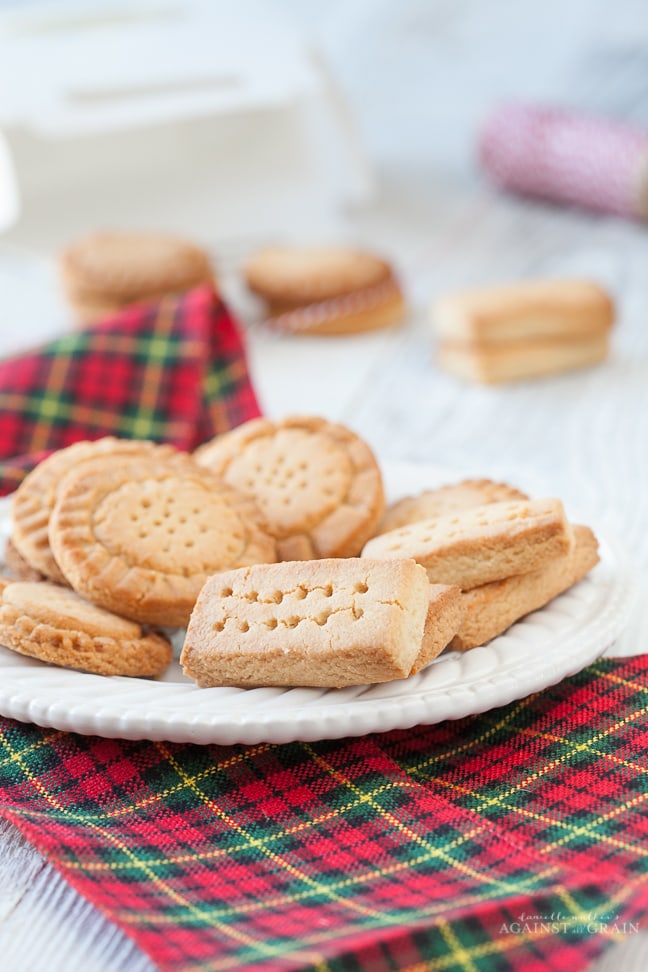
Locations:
(171, 372)
(511, 840)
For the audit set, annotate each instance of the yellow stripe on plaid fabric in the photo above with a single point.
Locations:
(301, 827)
(197, 913)
(590, 745)
(413, 914)
(96, 418)
(586, 829)
(50, 736)
(477, 740)
(158, 351)
(459, 953)
(50, 403)
(555, 821)
(505, 944)
(536, 775)
(471, 952)
(411, 834)
(257, 844)
(620, 681)
(217, 767)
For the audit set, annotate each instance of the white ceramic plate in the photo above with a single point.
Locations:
(538, 651)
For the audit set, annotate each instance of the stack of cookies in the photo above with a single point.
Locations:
(325, 290)
(509, 554)
(133, 529)
(324, 616)
(524, 330)
(105, 272)
(272, 545)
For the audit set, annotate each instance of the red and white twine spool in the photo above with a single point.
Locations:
(595, 163)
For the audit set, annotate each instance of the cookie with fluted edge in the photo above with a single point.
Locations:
(33, 501)
(317, 483)
(444, 500)
(140, 536)
(55, 625)
(325, 290)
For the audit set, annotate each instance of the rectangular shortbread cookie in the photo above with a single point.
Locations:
(444, 617)
(318, 622)
(498, 363)
(493, 608)
(483, 544)
(525, 311)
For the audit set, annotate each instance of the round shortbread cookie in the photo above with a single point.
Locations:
(55, 625)
(295, 275)
(140, 537)
(34, 500)
(18, 566)
(321, 290)
(317, 484)
(445, 500)
(123, 267)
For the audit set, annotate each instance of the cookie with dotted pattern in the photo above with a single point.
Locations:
(432, 503)
(140, 536)
(34, 499)
(317, 483)
(324, 623)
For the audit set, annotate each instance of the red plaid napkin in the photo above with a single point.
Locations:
(514, 840)
(172, 372)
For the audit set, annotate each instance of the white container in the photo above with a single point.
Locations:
(205, 118)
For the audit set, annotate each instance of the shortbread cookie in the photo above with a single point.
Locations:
(34, 499)
(140, 536)
(18, 566)
(322, 622)
(482, 544)
(55, 625)
(110, 270)
(493, 608)
(499, 363)
(317, 484)
(5, 581)
(445, 614)
(525, 311)
(445, 500)
(320, 290)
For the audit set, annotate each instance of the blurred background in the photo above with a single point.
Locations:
(233, 121)
(238, 125)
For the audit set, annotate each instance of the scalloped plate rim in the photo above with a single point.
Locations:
(35, 696)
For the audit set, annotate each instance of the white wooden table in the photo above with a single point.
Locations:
(421, 78)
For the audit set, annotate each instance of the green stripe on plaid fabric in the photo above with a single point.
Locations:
(510, 840)
(174, 372)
